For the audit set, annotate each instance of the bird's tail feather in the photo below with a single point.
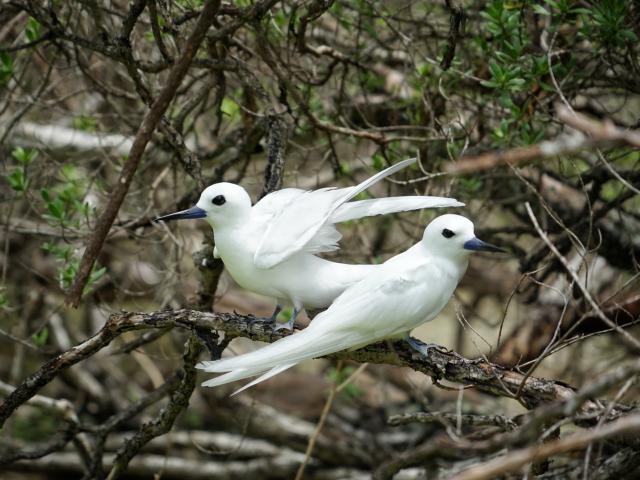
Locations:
(283, 354)
(271, 373)
(382, 206)
(257, 358)
(239, 374)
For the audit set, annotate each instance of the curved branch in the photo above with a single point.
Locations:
(440, 364)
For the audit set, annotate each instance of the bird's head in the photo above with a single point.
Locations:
(221, 204)
(453, 235)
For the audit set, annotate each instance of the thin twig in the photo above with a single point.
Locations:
(147, 127)
(321, 421)
(630, 340)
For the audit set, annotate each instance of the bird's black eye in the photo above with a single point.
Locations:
(446, 233)
(219, 200)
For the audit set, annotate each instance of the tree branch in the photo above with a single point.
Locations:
(178, 401)
(518, 458)
(599, 134)
(149, 123)
(439, 364)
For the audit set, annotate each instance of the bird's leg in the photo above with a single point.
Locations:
(271, 320)
(288, 325)
(275, 313)
(423, 348)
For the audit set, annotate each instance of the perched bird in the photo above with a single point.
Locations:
(270, 248)
(406, 291)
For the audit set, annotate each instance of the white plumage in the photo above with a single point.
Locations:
(270, 248)
(407, 290)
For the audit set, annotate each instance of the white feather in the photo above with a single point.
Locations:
(270, 248)
(271, 373)
(400, 294)
(295, 226)
(383, 206)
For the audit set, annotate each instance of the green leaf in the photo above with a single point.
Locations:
(230, 108)
(343, 168)
(96, 274)
(86, 123)
(17, 180)
(629, 35)
(24, 156)
(6, 68)
(40, 338)
(539, 9)
(471, 184)
(489, 84)
(56, 209)
(33, 29)
(378, 161)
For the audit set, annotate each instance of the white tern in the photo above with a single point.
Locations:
(406, 291)
(270, 248)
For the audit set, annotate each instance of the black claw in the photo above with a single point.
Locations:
(260, 320)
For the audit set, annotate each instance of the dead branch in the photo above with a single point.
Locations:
(178, 401)
(626, 336)
(148, 125)
(440, 364)
(597, 134)
(512, 432)
(451, 418)
(622, 427)
(148, 465)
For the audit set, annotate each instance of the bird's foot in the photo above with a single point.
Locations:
(423, 348)
(270, 321)
(287, 325)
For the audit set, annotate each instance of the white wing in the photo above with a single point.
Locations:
(270, 206)
(382, 206)
(306, 215)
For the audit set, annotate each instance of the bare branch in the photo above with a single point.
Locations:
(514, 460)
(148, 125)
(600, 134)
(439, 364)
(627, 337)
(178, 401)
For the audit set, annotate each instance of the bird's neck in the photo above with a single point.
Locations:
(228, 225)
(455, 265)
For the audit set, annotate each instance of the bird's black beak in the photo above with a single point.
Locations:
(193, 212)
(478, 245)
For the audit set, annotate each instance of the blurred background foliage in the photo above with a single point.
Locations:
(352, 86)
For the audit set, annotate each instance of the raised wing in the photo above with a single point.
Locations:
(306, 216)
(270, 206)
(382, 206)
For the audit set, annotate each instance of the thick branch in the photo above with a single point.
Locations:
(277, 145)
(439, 364)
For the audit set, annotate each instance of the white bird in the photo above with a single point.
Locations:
(406, 291)
(270, 248)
